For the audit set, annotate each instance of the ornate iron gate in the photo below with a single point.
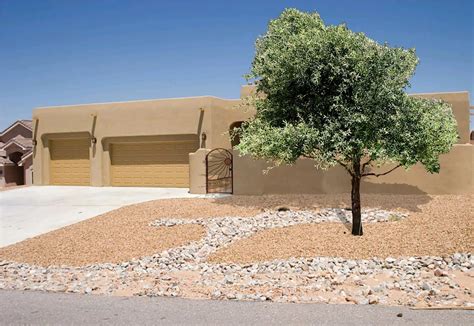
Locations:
(219, 172)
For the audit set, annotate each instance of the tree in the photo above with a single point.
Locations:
(338, 97)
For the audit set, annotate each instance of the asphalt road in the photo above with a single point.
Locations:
(52, 308)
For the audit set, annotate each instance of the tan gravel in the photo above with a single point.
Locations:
(99, 241)
(123, 234)
(441, 226)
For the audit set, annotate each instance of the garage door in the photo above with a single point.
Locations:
(159, 164)
(70, 164)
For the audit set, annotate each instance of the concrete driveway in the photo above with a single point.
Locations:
(31, 211)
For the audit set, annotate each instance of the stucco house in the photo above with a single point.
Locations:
(166, 143)
(16, 155)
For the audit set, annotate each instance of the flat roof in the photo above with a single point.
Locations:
(135, 101)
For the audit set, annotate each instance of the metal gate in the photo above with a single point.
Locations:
(219, 171)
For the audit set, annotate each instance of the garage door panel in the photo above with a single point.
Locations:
(70, 164)
(164, 164)
(150, 160)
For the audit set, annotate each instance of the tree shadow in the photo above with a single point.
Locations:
(384, 196)
(390, 188)
(343, 218)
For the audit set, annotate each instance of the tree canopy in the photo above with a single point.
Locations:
(338, 97)
(331, 94)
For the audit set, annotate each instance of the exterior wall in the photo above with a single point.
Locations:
(223, 116)
(131, 121)
(2, 174)
(197, 171)
(456, 177)
(247, 90)
(28, 170)
(13, 175)
(29, 175)
(154, 120)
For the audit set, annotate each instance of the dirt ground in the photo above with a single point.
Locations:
(437, 225)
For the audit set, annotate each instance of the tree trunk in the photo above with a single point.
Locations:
(355, 198)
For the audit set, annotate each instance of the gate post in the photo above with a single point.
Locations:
(197, 171)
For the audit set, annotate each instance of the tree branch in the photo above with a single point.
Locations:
(381, 174)
(346, 167)
(365, 164)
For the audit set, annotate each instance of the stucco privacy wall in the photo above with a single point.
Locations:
(137, 121)
(456, 177)
(197, 171)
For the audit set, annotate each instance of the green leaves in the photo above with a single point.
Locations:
(423, 129)
(337, 96)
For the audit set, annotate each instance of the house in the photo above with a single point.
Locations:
(168, 143)
(16, 156)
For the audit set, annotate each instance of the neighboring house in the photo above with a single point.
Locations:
(16, 156)
(164, 143)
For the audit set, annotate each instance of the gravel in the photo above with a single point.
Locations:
(222, 231)
(404, 281)
(441, 227)
(186, 270)
(125, 233)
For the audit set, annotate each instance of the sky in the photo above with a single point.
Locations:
(72, 52)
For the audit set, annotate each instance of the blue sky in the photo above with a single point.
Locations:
(71, 52)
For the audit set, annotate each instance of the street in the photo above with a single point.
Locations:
(51, 308)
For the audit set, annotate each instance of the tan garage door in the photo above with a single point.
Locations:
(159, 164)
(70, 164)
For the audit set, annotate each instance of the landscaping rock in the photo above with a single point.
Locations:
(439, 273)
(184, 271)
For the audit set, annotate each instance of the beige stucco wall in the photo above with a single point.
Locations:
(197, 171)
(456, 177)
(131, 121)
(153, 120)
